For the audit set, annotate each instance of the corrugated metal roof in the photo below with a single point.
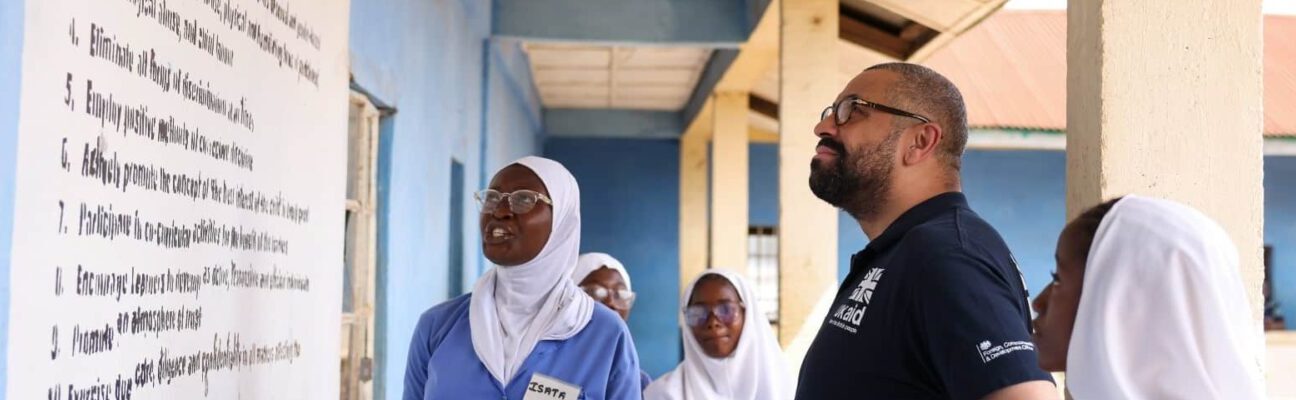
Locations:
(1280, 75)
(1012, 71)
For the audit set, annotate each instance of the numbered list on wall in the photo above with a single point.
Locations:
(178, 200)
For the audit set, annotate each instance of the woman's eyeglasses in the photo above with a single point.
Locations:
(519, 202)
(601, 293)
(696, 315)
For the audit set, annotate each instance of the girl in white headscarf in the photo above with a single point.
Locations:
(526, 330)
(1148, 303)
(730, 351)
(607, 281)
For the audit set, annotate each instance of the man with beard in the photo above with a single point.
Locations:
(934, 307)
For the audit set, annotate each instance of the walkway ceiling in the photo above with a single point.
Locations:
(622, 77)
(655, 56)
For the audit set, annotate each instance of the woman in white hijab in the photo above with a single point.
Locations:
(526, 330)
(729, 348)
(1147, 303)
(606, 281)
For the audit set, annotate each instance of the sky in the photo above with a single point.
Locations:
(1285, 7)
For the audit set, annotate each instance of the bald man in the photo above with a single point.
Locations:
(934, 307)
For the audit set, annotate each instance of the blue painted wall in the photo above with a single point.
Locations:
(434, 63)
(630, 209)
(762, 185)
(1280, 230)
(1023, 195)
(11, 39)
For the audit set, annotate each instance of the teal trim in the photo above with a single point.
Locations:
(705, 23)
(607, 123)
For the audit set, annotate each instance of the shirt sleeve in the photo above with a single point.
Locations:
(974, 325)
(420, 350)
(623, 382)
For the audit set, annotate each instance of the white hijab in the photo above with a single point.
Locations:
(1163, 313)
(513, 308)
(755, 370)
(590, 262)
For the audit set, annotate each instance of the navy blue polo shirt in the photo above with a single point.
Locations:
(934, 308)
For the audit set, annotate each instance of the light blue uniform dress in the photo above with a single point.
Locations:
(601, 360)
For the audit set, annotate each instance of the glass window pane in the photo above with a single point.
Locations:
(762, 268)
(348, 264)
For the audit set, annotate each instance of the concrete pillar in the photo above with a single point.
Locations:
(1166, 101)
(807, 226)
(693, 222)
(729, 181)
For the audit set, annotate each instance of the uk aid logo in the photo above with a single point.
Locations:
(850, 313)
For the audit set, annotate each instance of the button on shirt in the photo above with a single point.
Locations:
(934, 308)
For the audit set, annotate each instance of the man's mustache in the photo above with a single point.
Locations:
(836, 146)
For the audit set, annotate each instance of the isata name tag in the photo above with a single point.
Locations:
(544, 387)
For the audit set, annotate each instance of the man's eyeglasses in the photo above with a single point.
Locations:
(696, 315)
(842, 110)
(601, 293)
(519, 202)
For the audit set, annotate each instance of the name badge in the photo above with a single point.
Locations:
(544, 387)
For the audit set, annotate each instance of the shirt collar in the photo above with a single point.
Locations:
(919, 214)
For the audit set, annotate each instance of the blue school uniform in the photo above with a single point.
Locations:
(600, 360)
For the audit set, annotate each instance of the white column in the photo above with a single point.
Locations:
(1165, 100)
(693, 200)
(807, 226)
(729, 181)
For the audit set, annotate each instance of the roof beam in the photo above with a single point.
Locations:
(868, 31)
(856, 30)
(764, 107)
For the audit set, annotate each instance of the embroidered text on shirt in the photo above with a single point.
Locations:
(851, 312)
(989, 353)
